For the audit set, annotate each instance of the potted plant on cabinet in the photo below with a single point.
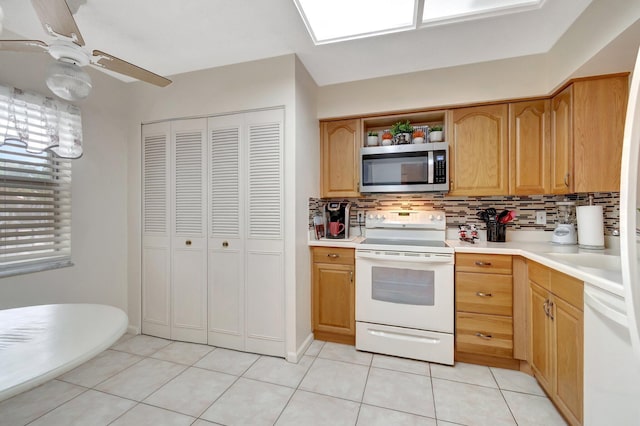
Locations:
(372, 138)
(436, 134)
(418, 136)
(387, 138)
(402, 132)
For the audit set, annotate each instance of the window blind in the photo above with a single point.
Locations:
(35, 210)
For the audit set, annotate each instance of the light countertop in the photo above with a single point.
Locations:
(540, 250)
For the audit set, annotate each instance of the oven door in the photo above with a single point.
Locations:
(405, 289)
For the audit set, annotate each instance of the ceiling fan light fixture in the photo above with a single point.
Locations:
(68, 81)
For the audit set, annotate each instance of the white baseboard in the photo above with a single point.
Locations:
(297, 356)
(132, 329)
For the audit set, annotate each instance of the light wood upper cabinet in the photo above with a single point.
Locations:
(562, 142)
(340, 143)
(598, 126)
(529, 140)
(479, 152)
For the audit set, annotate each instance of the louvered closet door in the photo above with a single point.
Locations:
(264, 294)
(156, 253)
(189, 256)
(226, 233)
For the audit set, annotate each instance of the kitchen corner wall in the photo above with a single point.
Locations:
(462, 210)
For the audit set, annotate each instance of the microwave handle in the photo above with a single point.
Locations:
(430, 168)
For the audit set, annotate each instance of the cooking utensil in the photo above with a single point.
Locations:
(502, 215)
(482, 215)
(511, 214)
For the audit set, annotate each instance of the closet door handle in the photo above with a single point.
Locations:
(188, 242)
(225, 244)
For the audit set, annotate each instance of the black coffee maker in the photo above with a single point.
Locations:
(336, 217)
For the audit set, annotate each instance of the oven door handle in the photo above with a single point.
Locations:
(434, 258)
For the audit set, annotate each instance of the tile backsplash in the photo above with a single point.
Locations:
(462, 210)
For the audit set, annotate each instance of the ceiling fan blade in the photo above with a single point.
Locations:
(112, 63)
(56, 16)
(24, 46)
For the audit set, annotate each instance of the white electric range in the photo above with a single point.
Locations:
(404, 287)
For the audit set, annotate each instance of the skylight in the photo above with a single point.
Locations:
(330, 21)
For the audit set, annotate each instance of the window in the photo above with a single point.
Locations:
(35, 181)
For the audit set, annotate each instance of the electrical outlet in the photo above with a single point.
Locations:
(541, 217)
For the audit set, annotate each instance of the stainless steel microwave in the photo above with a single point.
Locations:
(405, 168)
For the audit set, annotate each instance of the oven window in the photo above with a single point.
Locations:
(403, 286)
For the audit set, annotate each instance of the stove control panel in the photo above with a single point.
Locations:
(430, 219)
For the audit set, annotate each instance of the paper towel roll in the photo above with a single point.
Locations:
(590, 227)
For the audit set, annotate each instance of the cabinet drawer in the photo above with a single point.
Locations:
(342, 256)
(568, 288)
(483, 263)
(484, 293)
(484, 334)
(539, 274)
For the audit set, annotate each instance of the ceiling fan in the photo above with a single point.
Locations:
(65, 77)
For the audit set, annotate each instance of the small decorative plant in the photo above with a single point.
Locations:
(372, 133)
(436, 128)
(401, 127)
(418, 134)
(387, 135)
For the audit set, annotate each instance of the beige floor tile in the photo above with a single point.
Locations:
(471, 405)
(192, 392)
(517, 381)
(141, 345)
(314, 348)
(90, 408)
(123, 338)
(100, 368)
(533, 410)
(376, 416)
(227, 361)
(27, 406)
(201, 422)
(336, 378)
(145, 415)
(400, 364)
(399, 391)
(465, 373)
(183, 353)
(249, 402)
(279, 371)
(346, 353)
(306, 408)
(142, 379)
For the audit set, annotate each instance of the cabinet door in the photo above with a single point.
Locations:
(340, 157)
(562, 142)
(188, 239)
(226, 233)
(568, 360)
(541, 337)
(599, 114)
(156, 244)
(529, 147)
(334, 299)
(480, 151)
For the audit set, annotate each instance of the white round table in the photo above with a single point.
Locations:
(39, 343)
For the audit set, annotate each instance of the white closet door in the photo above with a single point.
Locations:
(156, 253)
(226, 245)
(264, 294)
(189, 256)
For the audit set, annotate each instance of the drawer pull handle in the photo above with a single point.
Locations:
(481, 294)
(333, 255)
(484, 336)
(551, 310)
(481, 263)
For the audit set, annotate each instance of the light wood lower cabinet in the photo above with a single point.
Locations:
(333, 299)
(557, 338)
(484, 309)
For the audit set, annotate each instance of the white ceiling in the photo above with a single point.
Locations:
(171, 37)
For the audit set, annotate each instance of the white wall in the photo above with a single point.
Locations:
(99, 197)
(251, 85)
(307, 184)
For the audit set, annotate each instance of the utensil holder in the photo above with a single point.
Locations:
(496, 232)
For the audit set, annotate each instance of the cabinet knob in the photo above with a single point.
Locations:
(481, 294)
(481, 263)
(566, 179)
(484, 336)
(333, 255)
(225, 244)
(188, 242)
(351, 276)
